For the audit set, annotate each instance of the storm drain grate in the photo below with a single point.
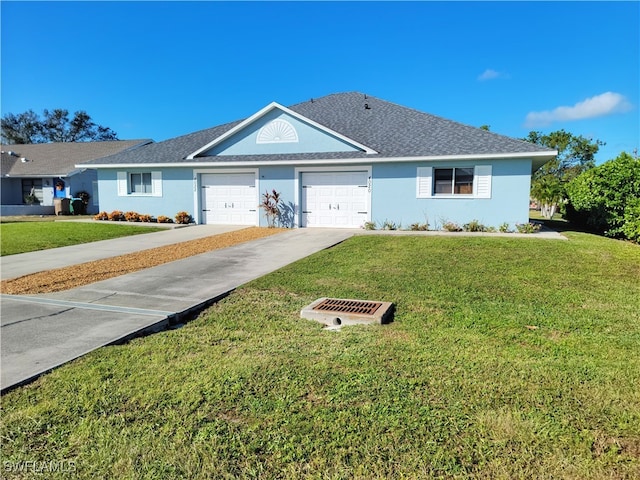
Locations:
(335, 312)
(336, 305)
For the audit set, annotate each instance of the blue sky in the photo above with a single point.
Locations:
(162, 69)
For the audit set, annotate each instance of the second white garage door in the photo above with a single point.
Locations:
(229, 198)
(334, 199)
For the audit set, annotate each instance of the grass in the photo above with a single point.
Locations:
(507, 358)
(29, 236)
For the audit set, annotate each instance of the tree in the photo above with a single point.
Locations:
(21, 128)
(549, 192)
(607, 198)
(55, 126)
(576, 154)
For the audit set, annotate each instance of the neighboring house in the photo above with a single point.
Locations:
(33, 175)
(337, 161)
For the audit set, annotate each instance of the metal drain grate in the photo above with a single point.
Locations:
(346, 311)
(336, 305)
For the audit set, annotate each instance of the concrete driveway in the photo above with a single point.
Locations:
(42, 332)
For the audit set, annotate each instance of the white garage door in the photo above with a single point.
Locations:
(229, 198)
(334, 199)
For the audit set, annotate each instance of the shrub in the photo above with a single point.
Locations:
(116, 216)
(101, 216)
(369, 225)
(474, 226)
(31, 199)
(504, 228)
(84, 196)
(183, 218)
(528, 227)
(146, 218)
(419, 227)
(451, 227)
(132, 216)
(631, 227)
(389, 225)
(163, 219)
(598, 197)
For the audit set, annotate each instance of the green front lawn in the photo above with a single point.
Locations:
(508, 358)
(30, 236)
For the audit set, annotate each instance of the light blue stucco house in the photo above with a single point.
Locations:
(338, 161)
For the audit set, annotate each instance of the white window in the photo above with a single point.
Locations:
(454, 182)
(140, 184)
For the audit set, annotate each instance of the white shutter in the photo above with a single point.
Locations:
(94, 186)
(123, 189)
(482, 181)
(424, 181)
(156, 184)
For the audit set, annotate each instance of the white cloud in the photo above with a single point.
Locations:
(604, 104)
(489, 74)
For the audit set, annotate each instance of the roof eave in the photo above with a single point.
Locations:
(538, 159)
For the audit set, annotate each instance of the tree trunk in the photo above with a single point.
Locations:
(548, 210)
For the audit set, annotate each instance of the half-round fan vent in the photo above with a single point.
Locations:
(277, 131)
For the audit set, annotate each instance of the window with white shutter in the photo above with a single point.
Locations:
(454, 181)
(140, 184)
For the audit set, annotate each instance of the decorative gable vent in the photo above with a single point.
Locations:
(277, 131)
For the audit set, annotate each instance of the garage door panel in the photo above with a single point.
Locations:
(229, 198)
(334, 199)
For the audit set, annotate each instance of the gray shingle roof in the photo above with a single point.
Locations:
(58, 159)
(397, 131)
(390, 129)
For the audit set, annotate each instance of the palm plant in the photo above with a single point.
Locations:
(270, 205)
(549, 192)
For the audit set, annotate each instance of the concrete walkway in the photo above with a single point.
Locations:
(14, 266)
(42, 332)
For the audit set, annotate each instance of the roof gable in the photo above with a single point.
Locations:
(274, 130)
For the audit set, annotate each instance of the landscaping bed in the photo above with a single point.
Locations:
(90, 272)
